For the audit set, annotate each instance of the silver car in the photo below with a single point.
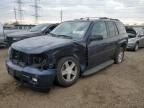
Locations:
(136, 38)
(2, 36)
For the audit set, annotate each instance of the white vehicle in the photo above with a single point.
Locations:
(2, 36)
(136, 38)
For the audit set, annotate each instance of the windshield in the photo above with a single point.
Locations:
(38, 28)
(74, 30)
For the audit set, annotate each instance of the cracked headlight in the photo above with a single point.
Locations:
(40, 61)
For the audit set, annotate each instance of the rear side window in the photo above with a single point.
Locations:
(112, 29)
(116, 29)
(99, 28)
(121, 28)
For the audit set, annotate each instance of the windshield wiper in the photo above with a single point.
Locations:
(53, 34)
(65, 36)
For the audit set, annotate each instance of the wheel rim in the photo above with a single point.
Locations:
(69, 71)
(120, 56)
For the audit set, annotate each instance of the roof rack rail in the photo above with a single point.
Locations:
(114, 19)
(109, 18)
(104, 18)
(89, 18)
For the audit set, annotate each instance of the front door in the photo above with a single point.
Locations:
(98, 44)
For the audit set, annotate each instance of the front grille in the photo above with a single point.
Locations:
(35, 60)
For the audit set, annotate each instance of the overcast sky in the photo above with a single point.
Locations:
(128, 11)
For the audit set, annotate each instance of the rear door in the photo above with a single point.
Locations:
(99, 50)
(113, 37)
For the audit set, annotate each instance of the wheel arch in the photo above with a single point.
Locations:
(123, 45)
(59, 55)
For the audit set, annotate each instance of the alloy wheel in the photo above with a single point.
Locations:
(69, 71)
(120, 56)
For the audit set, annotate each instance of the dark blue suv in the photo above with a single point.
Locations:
(73, 49)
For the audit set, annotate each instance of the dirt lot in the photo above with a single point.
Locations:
(118, 86)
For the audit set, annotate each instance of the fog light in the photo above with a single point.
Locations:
(35, 79)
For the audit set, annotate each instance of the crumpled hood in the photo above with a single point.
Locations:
(40, 44)
(22, 34)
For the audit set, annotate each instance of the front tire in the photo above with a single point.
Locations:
(68, 71)
(136, 47)
(119, 56)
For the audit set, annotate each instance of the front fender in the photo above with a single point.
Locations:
(74, 50)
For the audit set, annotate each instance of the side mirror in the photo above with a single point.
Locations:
(96, 37)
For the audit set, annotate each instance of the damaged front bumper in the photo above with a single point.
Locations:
(35, 78)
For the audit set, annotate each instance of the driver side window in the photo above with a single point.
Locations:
(99, 29)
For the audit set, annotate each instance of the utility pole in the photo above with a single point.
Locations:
(15, 14)
(20, 11)
(36, 9)
(61, 15)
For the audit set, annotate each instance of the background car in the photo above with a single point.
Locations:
(136, 38)
(2, 36)
(41, 29)
(7, 32)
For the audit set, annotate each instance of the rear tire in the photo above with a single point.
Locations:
(68, 71)
(119, 56)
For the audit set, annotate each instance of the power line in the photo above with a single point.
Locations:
(36, 9)
(61, 15)
(20, 11)
(15, 14)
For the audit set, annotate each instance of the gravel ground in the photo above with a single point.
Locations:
(118, 86)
